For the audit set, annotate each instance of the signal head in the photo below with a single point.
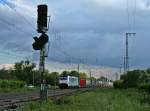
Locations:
(40, 42)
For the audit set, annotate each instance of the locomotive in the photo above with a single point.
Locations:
(68, 82)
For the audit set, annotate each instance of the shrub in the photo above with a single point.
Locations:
(118, 84)
(63, 100)
(132, 79)
(11, 84)
(144, 87)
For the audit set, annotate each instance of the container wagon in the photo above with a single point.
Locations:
(82, 83)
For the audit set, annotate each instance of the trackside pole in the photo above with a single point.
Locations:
(79, 75)
(43, 89)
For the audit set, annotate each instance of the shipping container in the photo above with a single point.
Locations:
(82, 82)
(88, 83)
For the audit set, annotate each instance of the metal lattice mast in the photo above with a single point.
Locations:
(127, 51)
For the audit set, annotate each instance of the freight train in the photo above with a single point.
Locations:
(75, 82)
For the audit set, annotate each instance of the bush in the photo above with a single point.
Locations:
(132, 79)
(63, 100)
(118, 84)
(11, 84)
(144, 87)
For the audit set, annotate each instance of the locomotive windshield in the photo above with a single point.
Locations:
(63, 78)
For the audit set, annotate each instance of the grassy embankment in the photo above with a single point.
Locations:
(98, 100)
(23, 89)
(14, 86)
(15, 90)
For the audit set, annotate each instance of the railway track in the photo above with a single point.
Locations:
(14, 100)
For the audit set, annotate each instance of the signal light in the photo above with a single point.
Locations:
(42, 18)
(40, 42)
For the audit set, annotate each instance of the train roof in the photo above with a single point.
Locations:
(69, 76)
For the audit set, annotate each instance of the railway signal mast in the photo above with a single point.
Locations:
(39, 45)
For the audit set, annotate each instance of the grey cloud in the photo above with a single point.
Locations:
(88, 30)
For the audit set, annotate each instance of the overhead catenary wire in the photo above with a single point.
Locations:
(128, 14)
(131, 6)
(25, 19)
(13, 25)
(134, 14)
(56, 42)
(19, 14)
(13, 55)
(65, 54)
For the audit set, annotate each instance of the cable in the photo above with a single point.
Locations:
(8, 23)
(13, 25)
(134, 14)
(131, 14)
(68, 55)
(59, 49)
(128, 14)
(11, 54)
(56, 38)
(25, 19)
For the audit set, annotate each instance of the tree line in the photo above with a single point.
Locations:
(26, 71)
(139, 79)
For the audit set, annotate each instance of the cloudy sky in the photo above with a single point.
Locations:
(85, 31)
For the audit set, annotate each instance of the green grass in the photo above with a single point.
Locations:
(24, 89)
(98, 100)
(8, 90)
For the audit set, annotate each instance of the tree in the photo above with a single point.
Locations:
(52, 78)
(83, 75)
(24, 71)
(118, 84)
(6, 74)
(65, 73)
(92, 78)
(102, 78)
(74, 73)
(36, 77)
(133, 78)
(148, 71)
